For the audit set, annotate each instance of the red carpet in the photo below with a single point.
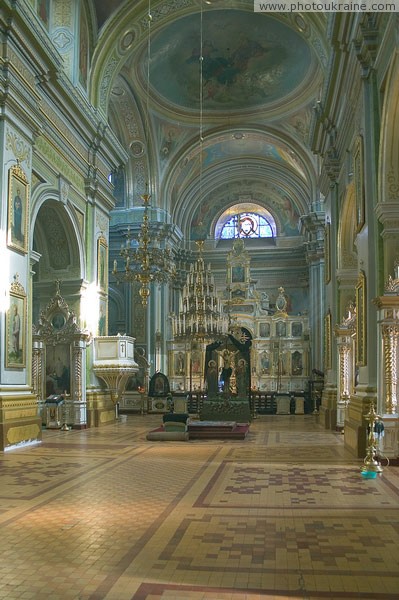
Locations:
(214, 430)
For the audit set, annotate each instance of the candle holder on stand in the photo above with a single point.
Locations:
(65, 426)
(371, 467)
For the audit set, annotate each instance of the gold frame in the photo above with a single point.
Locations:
(328, 341)
(18, 299)
(361, 321)
(358, 173)
(327, 252)
(102, 263)
(17, 180)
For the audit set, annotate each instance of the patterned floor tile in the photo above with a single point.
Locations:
(103, 514)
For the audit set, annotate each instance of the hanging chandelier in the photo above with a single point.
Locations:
(145, 260)
(200, 311)
(148, 259)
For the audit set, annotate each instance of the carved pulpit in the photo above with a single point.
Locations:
(114, 362)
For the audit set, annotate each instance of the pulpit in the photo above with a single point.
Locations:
(114, 362)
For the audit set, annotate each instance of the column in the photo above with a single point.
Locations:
(390, 343)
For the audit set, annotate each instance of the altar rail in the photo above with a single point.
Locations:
(262, 403)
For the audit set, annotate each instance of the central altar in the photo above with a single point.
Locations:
(226, 408)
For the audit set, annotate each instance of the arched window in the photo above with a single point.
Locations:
(247, 225)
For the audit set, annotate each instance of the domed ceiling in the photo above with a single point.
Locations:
(249, 60)
(261, 75)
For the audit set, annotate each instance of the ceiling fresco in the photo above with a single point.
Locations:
(240, 145)
(250, 60)
(261, 74)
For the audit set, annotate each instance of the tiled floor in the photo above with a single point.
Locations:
(285, 514)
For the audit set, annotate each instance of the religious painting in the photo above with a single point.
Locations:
(327, 341)
(361, 336)
(196, 366)
(159, 385)
(238, 274)
(16, 332)
(296, 363)
(180, 363)
(102, 317)
(265, 362)
(296, 330)
(327, 252)
(102, 263)
(264, 330)
(236, 72)
(58, 320)
(358, 174)
(58, 369)
(18, 210)
(281, 329)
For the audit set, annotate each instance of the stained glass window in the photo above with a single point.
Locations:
(246, 225)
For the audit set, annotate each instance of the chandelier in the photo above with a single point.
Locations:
(148, 259)
(200, 311)
(145, 260)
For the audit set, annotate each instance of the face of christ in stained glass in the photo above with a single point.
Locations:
(247, 226)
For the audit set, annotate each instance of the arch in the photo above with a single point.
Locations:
(389, 147)
(388, 175)
(58, 246)
(69, 221)
(287, 172)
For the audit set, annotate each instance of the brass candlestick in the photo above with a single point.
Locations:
(372, 466)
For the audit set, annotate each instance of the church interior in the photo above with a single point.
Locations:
(199, 301)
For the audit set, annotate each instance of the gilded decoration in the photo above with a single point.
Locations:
(390, 334)
(19, 148)
(361, 321)
(358, 173)
(23, 433)
(328, 341)
(327, 252)
(18, 210)
(57, 324)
